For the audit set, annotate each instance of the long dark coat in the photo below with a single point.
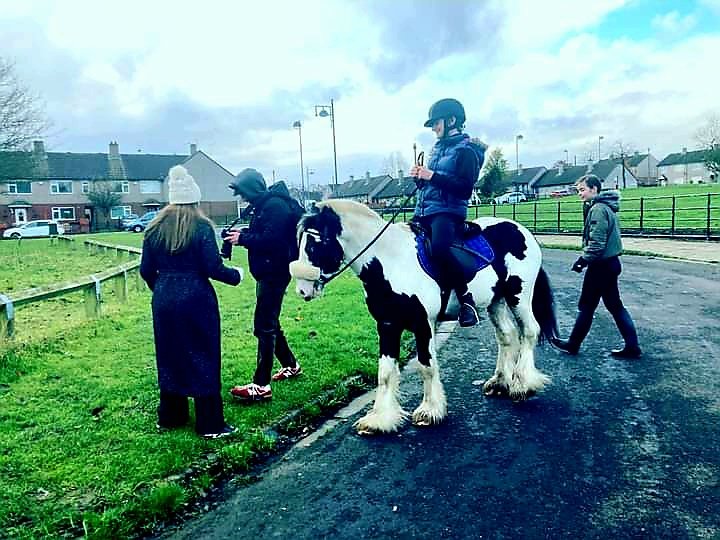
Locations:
(186, 318)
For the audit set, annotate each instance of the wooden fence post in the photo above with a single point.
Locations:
(121, 286)
(7, 317)
(93, 299)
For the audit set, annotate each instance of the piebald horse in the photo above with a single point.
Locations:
(401, 296)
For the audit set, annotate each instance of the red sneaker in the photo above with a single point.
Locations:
(252, 392)
(287, 373)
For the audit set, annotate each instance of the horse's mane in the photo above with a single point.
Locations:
(348, 207)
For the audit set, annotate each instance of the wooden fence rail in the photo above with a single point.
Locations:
(118, 276)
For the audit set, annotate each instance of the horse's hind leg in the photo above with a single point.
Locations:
(386, 415)
(526, 378)
(507, 341)
(433, 408)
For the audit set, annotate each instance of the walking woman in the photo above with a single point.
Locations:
(180, 256)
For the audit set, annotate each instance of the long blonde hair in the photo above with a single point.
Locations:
(174, 227)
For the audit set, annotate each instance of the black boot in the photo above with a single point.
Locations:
(468, 313)
(626, 326)
(580, 330)
(565, 345)
(627, 352)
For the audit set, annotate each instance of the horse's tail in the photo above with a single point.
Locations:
(543, 307)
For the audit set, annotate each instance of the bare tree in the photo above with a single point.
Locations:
(621, 150)
(393, 163)
(708, 137)
(22, 119)
(103, 197)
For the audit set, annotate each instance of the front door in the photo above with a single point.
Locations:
(20, 216)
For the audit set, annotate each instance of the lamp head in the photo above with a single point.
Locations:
(323, 113)
(296, 124)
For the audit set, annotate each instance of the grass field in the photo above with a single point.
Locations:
(650, 210)
(77, 398)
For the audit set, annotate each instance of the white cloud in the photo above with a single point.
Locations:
(673, 23)
(234, 76)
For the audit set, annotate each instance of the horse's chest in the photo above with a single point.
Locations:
(386, 305)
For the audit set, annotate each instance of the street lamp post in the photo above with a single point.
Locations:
(297, 125)
(600, 138)
(518, 137)
(322, 112)
(567, 158)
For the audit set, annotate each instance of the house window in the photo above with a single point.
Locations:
(61, 187)
(63, 212)
(85, 187)
(150, 186)
(120, 187)
(20, 187)
(118, 212)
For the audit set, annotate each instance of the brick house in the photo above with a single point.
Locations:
(54, 185)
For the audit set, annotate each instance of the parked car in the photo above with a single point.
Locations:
(35, 229)
(141, 223)
(510, 198)
(562, 192)
(125, 220)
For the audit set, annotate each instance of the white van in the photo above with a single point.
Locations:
(513, 197)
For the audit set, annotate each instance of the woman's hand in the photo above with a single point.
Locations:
(423, 173)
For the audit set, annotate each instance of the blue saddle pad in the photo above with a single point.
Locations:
(474, 244)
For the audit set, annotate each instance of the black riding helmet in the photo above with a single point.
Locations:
(445, 108)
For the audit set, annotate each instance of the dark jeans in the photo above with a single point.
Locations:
(271, 339)
(444, 230)
(601, 283)
(173, 412)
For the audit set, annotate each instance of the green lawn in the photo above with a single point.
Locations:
(656, 210)
(77, 398)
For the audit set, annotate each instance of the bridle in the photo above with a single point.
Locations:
(327, 278)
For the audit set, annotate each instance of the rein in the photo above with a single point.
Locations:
(324, 280)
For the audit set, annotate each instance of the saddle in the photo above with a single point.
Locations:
(473, 254)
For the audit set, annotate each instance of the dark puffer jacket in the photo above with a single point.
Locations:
(270, 237)
(456, 163)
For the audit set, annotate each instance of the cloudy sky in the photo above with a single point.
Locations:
(232, 76)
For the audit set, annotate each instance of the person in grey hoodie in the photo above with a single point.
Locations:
(602, 248)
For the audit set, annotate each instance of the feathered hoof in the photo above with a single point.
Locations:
(494, 388)
(375, 424)
(424, 417)
(523, 395)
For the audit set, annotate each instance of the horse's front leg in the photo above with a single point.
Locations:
(386, 415)
(433, 408)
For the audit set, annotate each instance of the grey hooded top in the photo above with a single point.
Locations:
(601, 233)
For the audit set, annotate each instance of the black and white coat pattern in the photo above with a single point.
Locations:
(401, 296)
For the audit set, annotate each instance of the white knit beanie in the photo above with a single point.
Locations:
(182, 188)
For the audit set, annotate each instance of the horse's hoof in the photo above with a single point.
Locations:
(496, 391)
(366, 432)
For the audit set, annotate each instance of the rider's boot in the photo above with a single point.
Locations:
(468, 312)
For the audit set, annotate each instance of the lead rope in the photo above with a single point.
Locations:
(325, 280)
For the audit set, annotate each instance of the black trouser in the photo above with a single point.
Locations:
(444, 230)
(173, 412)
(271, 339)
(601, 282)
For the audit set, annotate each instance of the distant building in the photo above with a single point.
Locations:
(560, 180)
(54, 185)
(685, 168)
(363, 190)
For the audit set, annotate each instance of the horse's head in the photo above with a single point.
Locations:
(320, 252)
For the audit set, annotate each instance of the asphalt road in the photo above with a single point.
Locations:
(612, 449)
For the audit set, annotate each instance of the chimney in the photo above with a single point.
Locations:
(38, 148)
(367, 175)
(588, 170)
(520, 170)
(352, 177)
(114, 149)
(193, 149)
(561, 168)
(401, 174)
